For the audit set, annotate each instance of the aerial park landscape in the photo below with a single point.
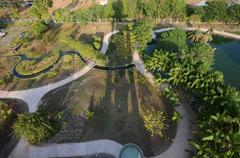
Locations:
(119, 78)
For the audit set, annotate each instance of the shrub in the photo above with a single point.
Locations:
(36, 127)
(176, 117)
(154, 121)
(39, 28)
(5, 113)
(97, 42)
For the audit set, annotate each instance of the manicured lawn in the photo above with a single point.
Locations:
(117, 100)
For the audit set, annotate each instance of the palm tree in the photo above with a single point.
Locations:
(197, 36)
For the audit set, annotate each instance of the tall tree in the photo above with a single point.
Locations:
(40, 8)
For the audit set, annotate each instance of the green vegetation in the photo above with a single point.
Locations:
(38, 126)
(143, 34)
(40, 8)
(154, 121)
(97, 41)
(216, 10)
(5, 113)
(200, 37)
(38, 28)
(85, 49)
(192, 71)
(219, 135)
(29, 67)
(174, 40)
(123, 9)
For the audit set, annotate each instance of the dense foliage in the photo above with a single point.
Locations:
(218, 105)
(36, 127)
(5, 113)
(154, 121)
(217, 10)
(40, 8)
(125, 9)
(38, 28)
(219, 135)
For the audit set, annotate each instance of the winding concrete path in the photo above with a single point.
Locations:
(33, 96)
(23, 150)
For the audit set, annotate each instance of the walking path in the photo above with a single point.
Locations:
(33, 96)
(23, 150)
(106, 41)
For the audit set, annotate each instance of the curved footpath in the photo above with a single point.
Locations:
(23, 150)
(33, 96)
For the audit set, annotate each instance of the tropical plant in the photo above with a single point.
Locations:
(154, 121)
(39, 28)
(200, 37)
(38, 126)
(173, 41)
(142, 32)
(220, 136)
(5, 113)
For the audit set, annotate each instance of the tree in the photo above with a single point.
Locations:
(36, 127)
(154, 121)
(11, 3)
(63, 15)
(39, 28)
(203, 53)
(5, 113)
(234, 13)
(143, 34)
(40, 8)
(174, 40)
(200, 37)
(216, 10)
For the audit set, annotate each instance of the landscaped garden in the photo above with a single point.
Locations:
(122, 106)
(193, 71)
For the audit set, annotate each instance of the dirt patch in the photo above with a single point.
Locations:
(116, 98)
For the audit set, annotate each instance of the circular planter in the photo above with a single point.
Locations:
(131, 151)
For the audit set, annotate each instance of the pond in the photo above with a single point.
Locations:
(227, 60)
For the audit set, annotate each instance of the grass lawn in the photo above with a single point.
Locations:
(117, 100)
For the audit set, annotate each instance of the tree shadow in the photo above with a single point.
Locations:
(117, 114)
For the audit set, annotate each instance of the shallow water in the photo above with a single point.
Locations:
(227, 60)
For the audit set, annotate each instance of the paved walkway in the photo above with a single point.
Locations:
(33, 96)
(106, 41)
(23, 150)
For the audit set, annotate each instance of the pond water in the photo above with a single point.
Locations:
(227, 60)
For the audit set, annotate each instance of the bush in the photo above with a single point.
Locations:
(39, 28)
(37, 127)
(5, 113)
(97, 42)
(154, 121)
